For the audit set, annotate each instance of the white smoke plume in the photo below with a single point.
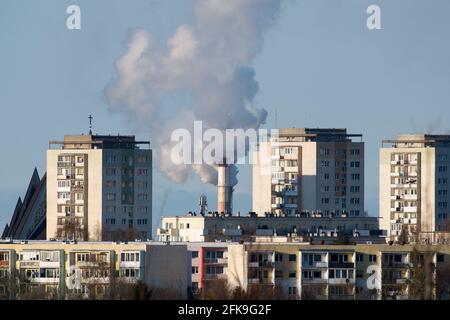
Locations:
(207, 65)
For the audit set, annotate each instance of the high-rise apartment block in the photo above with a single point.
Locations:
(309, 170)
(414, 184)
(99, 188)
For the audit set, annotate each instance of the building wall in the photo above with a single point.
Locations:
(160, 266)
(368, 272)
(313, 177)
(237, 228)
(117, 190)
(431, 211)
(92, 204)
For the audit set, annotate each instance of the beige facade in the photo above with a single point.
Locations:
(65, 269)
(99, 188)
(309, 170)
(302, 271)
(315, 228)
(414, 183)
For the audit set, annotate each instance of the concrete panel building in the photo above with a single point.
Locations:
(309, 169)
(301, 271)
(99, 188)
(304, 227)
(414, 185)
(89, 269)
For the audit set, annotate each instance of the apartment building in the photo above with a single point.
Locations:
(89, 269)
(414, 185)
(301, 271)
(209, 261)
(99, 188)
(309, 169)
(305, 226)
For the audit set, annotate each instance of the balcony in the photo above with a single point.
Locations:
(232, 232)
(316, 264)
(216, 261)
(341, 265)
(401, 281)
(349, 281)
(261, 264)
(259, 281)
(49, 264)
(314, 281)
(131, 264)
(264, 232)
(392, 264)
(4, 263)
(29, 264)
(217, 276)
(410, 196)
(166, 232)
(92, 264)
(44, 280)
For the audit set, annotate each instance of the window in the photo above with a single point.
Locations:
(325, 163)
(142, 184)
(129, 273)
(292, 274)
(129, 256)
(278, 257)
(109, 209)
(359, 257)
(111, 171)
(214, 270)
(142, 172)
(292, 257)
(354, 164)
(354, 152)
(440, 258)
(111, 184)
(194, 254)
(111, 196)
(194, 270)
(143, 196)
(373, 258)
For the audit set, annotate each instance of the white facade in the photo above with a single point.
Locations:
(414, 183)
(98, 188)
(309, 169)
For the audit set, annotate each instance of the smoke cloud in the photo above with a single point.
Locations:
(206, 65)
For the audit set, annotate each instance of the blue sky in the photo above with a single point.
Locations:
(320, 67)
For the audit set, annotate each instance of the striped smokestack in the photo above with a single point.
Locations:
(224, 189)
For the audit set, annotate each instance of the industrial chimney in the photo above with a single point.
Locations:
(224, 189)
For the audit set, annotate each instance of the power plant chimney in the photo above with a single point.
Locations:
(224, 189)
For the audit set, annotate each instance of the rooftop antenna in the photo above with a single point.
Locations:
(90, 123)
